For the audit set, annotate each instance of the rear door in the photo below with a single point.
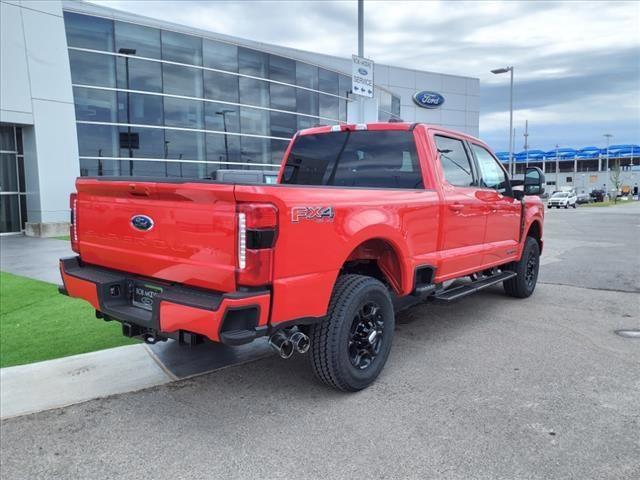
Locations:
(177, 232)
(464, 214)
(504, 211)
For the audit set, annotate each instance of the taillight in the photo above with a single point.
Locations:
(73, 222)
(257, 231)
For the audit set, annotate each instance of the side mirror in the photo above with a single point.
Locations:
(533, 181)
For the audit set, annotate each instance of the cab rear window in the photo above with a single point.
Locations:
(376, 159)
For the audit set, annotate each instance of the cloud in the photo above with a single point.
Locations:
(576, 63)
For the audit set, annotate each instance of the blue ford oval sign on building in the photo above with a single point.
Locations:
(428, 99)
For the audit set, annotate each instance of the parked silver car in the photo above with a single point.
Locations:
(563, 199)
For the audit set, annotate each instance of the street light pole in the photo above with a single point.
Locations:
(498, 71)
(127, 52)
(607, 136)
(511, 117)
(166, 156)
(224, 127)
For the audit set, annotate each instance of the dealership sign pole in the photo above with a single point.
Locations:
(362, 68)
(360, 54)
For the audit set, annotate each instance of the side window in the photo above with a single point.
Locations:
(455, 161)
(491, 173)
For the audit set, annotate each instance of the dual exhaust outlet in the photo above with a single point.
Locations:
(285, 342)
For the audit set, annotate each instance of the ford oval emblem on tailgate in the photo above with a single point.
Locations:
(142, 222)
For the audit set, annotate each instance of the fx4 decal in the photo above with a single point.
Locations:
(317, 214)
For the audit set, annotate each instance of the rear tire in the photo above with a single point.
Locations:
(524, 283)
(351, 346)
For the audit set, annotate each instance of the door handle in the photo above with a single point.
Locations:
(456, 207)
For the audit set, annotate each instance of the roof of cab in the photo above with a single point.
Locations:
(377, 126)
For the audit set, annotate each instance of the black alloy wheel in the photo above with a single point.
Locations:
(366, 335)
(350, 347)
(531, 271)
(527, 268)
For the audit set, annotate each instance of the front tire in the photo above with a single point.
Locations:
(351, 346)
(524, 283)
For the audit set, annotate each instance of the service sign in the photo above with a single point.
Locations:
(362, 76)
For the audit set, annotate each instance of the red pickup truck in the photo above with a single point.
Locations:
(364, 219)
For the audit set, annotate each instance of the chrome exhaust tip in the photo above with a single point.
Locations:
(300, 342)
(281, 344)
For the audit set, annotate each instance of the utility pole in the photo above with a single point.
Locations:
(526, 143)
(361, 54)
(557, 167)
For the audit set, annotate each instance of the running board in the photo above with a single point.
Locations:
(456, 293)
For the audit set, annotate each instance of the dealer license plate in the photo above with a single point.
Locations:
(143, 295)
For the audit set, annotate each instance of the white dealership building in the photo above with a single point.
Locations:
(88, 90)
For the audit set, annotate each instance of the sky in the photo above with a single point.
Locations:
(576, 64)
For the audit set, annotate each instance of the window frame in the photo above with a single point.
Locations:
(508, 190)
(418, 163)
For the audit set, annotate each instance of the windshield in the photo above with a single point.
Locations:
(364, 158)
(560, 195)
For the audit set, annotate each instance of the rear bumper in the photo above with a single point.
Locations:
(179, 312)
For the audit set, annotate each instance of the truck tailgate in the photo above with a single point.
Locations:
(191, 240)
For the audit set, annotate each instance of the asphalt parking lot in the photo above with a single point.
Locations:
(491, 387)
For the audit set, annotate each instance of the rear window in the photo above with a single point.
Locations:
(379, 159)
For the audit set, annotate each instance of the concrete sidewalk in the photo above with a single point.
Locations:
(65, 381)
(75, 379)
(33, 257)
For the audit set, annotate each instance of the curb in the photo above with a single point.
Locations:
(61, 382)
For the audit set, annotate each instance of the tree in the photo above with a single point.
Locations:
(615, 179)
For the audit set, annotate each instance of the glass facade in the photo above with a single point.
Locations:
(186, 105)
(388, 106)
(13, 197)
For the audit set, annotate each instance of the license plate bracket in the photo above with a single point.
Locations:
(144, 295)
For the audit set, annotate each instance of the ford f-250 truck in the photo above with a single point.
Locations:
(363, 218)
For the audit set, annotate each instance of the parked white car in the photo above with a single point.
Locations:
(563, 199)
